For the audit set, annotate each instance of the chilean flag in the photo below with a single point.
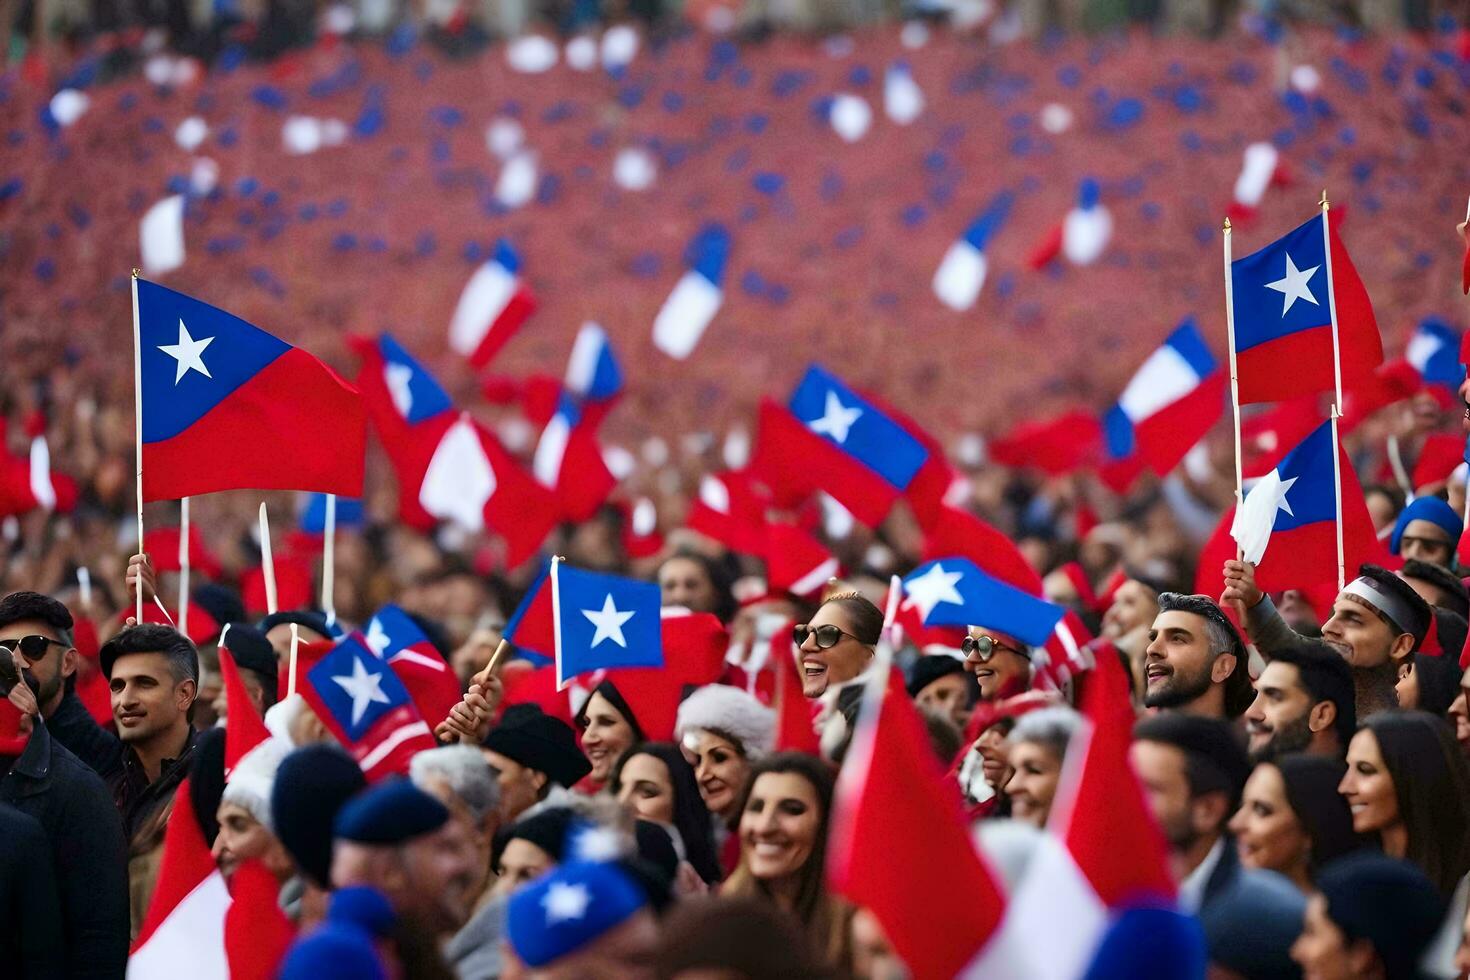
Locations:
(1167, 407)
(1083, 234)
(961, 276)
(494, 304)
(367, 708)
(1288, 523)
(697, 295)
(731, 509)
(1434, 351)
(568, 462)
(397, 639)
(1260, 169)
(212, 383)
(1283, 303)
(593, 372)
(954, 592)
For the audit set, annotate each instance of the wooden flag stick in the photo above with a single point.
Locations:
(184, 566)
(291, 665)
(138, 419)
(1337, 395)
(267, 565)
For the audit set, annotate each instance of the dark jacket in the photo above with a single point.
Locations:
(88, 852)
(116, 762)
(31, 941)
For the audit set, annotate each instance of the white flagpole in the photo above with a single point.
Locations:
(561, 682)
(1234, 381)
(329, 560)
(291, 667)
(267, 566)
(138, 419)
(184, 566)
(1337, 379)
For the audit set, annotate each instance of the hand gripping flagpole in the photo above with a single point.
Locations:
(138, 420)
(184, 566)
(1234, 382)
(267, 565)
(329, 560)
(1337, 395)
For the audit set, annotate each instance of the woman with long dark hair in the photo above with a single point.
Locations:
(1408, 785)
(654, 782)
(783, 849)
(1291, 819)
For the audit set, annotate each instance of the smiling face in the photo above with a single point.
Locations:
(606, 736)
(1033, 785)
(1277, 719)
(146, 699)
(645, 789)
(720, 770)
(841, 663)
(780, 825)
(993, 750)
(1006, 672)
(1267, 832)
(1358, 632)
(1179, 662)
(1368, 787)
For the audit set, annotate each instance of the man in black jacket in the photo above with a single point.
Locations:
(32, 942)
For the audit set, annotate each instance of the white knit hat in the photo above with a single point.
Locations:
(729, 712)
(249, 785)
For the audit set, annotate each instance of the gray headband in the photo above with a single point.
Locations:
(1396, 609)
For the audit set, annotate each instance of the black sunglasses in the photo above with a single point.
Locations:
(983, 647)
(32, 647)
(828, 635)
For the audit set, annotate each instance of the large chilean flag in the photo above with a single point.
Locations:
(226, 406)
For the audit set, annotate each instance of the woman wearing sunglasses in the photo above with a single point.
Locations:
(839, 642)
(1000, 662)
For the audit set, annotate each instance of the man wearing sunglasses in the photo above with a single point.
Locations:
(71, 803)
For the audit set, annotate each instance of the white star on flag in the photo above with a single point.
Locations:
(362, 686)
(397, 377)
(564, 902)
(377, 637)
(1256, 518)
(1293, 285)
(609, 622)
(836, 419)
(933, 587)
(189, 354)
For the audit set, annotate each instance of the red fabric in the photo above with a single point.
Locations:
(386, 747)
(1118, 846)
(161, 544)
(1266, 436)
(293, 426)
(653, 695)
(794, 463)
(1162, 439)
(94, 694)
(1465, 263)
(433, 686)
(522, 304)
(244, 729)
(1077, 575)
(12, 742)
(1391, 382)
(796, 562)
(185, 863)
(257, 932)
(1056, 446)
(794, 731)
(900, 842)
(1301, 363)
(694, 647)
(740, 526)
(295, 587)
(1437, 459)
(640, 545)
(961, 534)
(538, 687)
(308, 655)
(583, 481)
(202, 627)
(1045, 250)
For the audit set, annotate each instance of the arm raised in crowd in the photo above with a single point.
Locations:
(1268, 631)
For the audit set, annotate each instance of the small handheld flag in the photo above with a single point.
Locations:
(961, 276)
(954, 592)
(494, 304)
(603, 621)
(696, 297)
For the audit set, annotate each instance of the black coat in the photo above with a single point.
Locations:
(31, 941)
(88, 853)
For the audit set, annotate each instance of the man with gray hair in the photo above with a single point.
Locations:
(1195, 661)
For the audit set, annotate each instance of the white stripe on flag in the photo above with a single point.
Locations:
(551, 449)
(485, 297)
(459, 481)
(190, 941)
(387, 745)
(685, 315)
(414, 657)
(814, 579)
(1163, 379)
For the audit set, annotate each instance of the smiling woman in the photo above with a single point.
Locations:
(654, 782)
(838, 643)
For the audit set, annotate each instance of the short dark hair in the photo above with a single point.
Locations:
(18, 607)
(1325, 676)
(1456, 596)
(183, 659)
(1224, 638)
(1215, 760)
(1404, 592)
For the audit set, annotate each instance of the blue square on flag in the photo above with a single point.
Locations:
(955, 592)
(391, 631)
(314, 514)
(604, 621)
(1282, 289)
(357, 687)
(833, 411)
(416, 394)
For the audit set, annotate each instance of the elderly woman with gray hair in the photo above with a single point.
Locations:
(1035, 748)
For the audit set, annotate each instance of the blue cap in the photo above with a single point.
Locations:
(344, 945)
(1430, 509)
(571, 906)
(390, 813)
(1150, 944)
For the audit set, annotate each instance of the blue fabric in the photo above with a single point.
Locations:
(350, 659)
(426, 397)
(1313, 497)
(1258, 308)
(606, 621)
(389, 813)
(1430, 509)
(1150, 944)
(986, 601)
(873, 439)
(568, 908)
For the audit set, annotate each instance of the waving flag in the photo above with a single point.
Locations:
(1283, 302)
(697, 295)
(959, 532)
(1055, 446)
(641, 536)
(1083, 234)
(1288, 524)
(961, 276)
(212, 383)
(397, 639)
(366, 707)
(568, 461)
(244, 729)
(593, 372)
(313, 515)
(891, 783)
(1434, 350)
(1167, 407)
(954, 592)
(796, 562)
(730, 509)
(257, 932)
(494, 304)
(603, 621)
(1259, 170)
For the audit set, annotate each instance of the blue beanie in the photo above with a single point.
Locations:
(311, 785)
(1390, 903)
(1150, 943)
(569, 907)
(343, 946)
(390, 813)
(1251, 925)
(1430, 509)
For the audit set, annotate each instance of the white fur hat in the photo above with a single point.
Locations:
(730, 712)
(250, 782)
